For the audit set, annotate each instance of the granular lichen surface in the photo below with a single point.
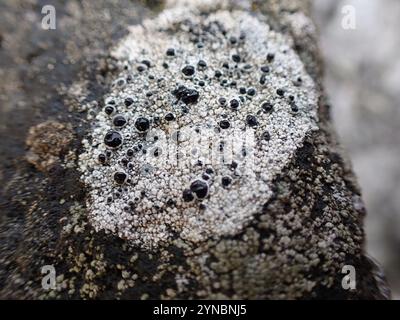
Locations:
(208, 110)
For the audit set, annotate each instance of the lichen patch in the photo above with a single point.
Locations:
(206, 111)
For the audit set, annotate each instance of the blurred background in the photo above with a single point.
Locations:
(362, 79)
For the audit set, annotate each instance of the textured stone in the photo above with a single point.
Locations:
(47, 143)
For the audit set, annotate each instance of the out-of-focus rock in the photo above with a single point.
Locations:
(362, 81)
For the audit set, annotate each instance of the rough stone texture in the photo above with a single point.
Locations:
(363, 86)
(47, 144)
(293, 247)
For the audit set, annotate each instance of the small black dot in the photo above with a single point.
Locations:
(294, 107)
(120, 177)
(242, 90)
(270, 57)
(128, 101)
(265, 69)
(130, 153)
(170, 52)
(209, 171)
(142, 124)
(251, 120)
(165, 65)
(233, 40)
(113, 139)
(201, 83)
(188, 96)
(200, 188)
(188, 70)
(109, 110)
(222, 101)
(266, 106)
(226, 181)
(131, 203)
(247, 66)
(234, 103)
(169, 117)
(147, 63)
(141, 68)
(218, 74)
(298, 82)
(156, 152)
(280, 92)
(202, 64)
(102, 158)
(266, 136)
(119, 121)
(236, 58)
(224, 124)
(251, 92)
(187, 195)
(185, 110)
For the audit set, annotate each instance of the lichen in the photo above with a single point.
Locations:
(48, 142)
(241, 104)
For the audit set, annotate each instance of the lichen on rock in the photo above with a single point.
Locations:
(47, 142)
(239, 99)
(254, 201)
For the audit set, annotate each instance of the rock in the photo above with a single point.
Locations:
(47, 142)
(283, 228)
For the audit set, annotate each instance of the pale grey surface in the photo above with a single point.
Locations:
(363, 81)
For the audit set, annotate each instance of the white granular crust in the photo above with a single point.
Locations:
(149, 209)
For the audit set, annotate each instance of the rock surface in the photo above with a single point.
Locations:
(363, 90)
(295, 219)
